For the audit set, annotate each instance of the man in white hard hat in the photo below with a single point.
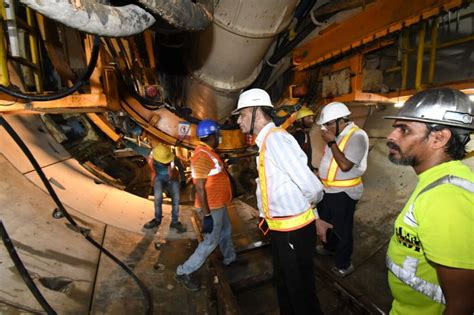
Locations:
(343, 163)
(430, 256)
(286, 189)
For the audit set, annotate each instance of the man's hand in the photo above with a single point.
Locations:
(321, 229)
(316, 172)
(207, 224)
(328, 135)
(152, 171)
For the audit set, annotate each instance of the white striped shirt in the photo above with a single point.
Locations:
(292, 186)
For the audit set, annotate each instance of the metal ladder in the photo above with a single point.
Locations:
(22, 45)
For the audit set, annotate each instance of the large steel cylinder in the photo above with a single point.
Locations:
(227, 56)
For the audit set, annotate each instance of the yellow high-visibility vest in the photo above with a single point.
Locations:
(330, 180)
(283, 224)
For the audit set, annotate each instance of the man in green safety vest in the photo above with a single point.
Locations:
(431, 254)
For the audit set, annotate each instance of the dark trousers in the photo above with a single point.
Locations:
(338, 209)
(293, 270)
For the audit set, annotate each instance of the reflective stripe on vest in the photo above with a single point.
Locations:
(283, 224)
(330, 180)
(407, 273)
(217, 166)
(409, 217)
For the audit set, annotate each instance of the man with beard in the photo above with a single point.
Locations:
(302, 126)
(431, 254)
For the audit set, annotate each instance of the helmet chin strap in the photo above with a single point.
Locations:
(337, 126)
(249, 137)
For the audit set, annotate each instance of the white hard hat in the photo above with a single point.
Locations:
(253, 98)
(333, 111)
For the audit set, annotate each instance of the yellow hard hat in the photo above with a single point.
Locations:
(162, 154)
(303, 112)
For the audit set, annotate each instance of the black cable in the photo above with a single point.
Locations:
(83, 231)
(23, 272)
(150, 104)
(279, 54)
(66, 92)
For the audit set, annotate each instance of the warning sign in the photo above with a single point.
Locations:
(184, 130)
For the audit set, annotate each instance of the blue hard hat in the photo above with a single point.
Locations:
(206, 128)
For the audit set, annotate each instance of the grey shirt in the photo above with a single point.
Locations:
(356, 151)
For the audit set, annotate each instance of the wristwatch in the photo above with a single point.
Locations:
(330, 143)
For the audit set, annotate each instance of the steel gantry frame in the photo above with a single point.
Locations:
(344, 45)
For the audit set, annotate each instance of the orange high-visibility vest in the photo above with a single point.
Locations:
(218, 188)
(330, 180)
(283, 224)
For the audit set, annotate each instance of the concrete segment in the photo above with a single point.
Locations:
(54, 255)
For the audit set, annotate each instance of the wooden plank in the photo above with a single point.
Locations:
(103, 125)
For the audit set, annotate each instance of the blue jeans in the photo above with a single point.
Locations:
(221, 235)
(173, 189)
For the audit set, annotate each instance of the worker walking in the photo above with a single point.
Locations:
(213, 194)
(286, 188)
(430, 256)
(301, 128)
(343, 162)
(165, 177)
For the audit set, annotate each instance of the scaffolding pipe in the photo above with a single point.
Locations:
(4, 78)
(419, 56)
(34, 50)
(405, 48)
(434, 42)
(455, 42)
(447, 44)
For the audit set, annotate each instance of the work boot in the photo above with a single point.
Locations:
(151, 224)
(187, 281)
(178, 226)
(320, 250)
(341, 272)
(238, 261)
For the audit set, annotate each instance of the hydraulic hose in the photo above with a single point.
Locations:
(23, 272)
(62, 209)
(65, 92)
(94, 17)
(184, 15)
(262, 79)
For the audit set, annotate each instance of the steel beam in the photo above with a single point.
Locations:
(4, 78)
(419, 56)
(385, 16)
(70, 104)
(434, 43)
